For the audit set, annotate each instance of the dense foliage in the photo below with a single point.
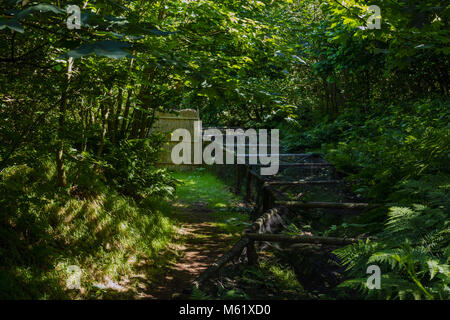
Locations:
(77, 107)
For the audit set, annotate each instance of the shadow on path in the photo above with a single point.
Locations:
(200, 244)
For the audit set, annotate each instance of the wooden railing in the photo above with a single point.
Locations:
(272, 207)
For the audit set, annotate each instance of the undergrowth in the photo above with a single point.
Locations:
(398, 156)
(45, 229)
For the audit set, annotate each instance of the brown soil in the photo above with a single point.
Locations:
(200, 243)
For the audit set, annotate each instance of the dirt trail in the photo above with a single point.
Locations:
(201, 243)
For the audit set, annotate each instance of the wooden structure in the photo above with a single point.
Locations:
(272, 205)
(166, 123)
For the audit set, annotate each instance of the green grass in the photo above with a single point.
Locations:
(45, 230)
(202, 187)
(109, 236)
(269, 277)
(276, 276)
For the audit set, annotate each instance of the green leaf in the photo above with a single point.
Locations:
(12, 24)
(107, 48)
(161, 33)
(42, 7)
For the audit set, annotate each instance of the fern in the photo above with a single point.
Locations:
(412, 250)
(198, 294)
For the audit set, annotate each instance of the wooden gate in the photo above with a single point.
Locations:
(166, 123)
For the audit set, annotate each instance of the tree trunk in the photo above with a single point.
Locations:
(105, 113)
(137, 116)
(125, 114)
(114, 122)
(62, 179)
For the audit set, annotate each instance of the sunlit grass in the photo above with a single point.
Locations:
(107, 236)
(201, 187)
(110, 237)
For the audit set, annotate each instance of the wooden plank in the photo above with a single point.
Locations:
(239, 169)
(306, 155)
(257, 176)
(326, 205)
(248, 186)
(302, 155)
(277, 195)
(252, 254)
(298, 239)
(307, 165)
(272, 219)
(303, 182)
(219, 263)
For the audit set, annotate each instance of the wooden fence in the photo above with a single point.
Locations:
(268, 194)
(166, 123)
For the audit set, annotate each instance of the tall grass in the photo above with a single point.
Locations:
(44, 230)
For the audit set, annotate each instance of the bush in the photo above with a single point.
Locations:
(131, 169)
(397, 155)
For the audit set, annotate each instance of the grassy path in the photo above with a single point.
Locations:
(209, 220)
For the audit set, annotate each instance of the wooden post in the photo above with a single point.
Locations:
(235, 251)
(260, 200)
(252, 255)
(248, 187)
(304, 165)
(271, 217)
(267, 197)
(302, 182)
(238, 179)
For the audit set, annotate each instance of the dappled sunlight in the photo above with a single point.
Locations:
(202, 234)
(139, 140)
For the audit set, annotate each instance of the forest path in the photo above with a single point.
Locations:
(210, 219)
(198, 243)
